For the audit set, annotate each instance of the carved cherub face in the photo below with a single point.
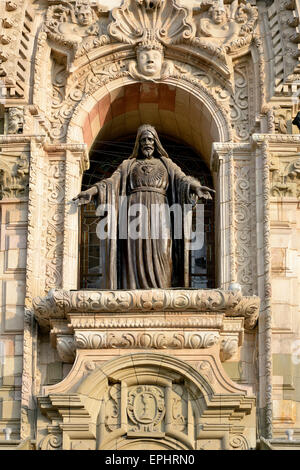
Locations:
(84, 14)
(150, 62)
(241, 15)
(218, 14)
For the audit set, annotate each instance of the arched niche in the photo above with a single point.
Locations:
(179, 111)
(176, 108)
(149, 399)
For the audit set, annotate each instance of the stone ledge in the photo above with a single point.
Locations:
(157, 319)
(59, 304)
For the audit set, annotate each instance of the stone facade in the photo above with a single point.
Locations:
(157, 369)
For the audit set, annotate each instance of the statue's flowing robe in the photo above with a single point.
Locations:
(135, 263)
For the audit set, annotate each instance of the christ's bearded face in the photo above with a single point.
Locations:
(147, 144)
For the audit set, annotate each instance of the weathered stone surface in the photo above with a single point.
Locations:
(224, 79)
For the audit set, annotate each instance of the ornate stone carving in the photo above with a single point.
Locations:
(240, 102)
(58, 303)
(66, 348)
(146, 340)
(285, 176)
(179, 407)
(150, 64)
(167, 22)
(15, 120)
(276, 139)
(26, 391)
(77, 24)
(145, 408)
(127, 398)
(88, 81)
(14, 178)
(11, 6)
(283, 120)
(51, 442)
(143, 322)
(229, 347)
(238, 442)
(267, 303)
(284, 30)
(231, 25)
(243, 229)
(205, 369)
(112, 408)
(55, 233)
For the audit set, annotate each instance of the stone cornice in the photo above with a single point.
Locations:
(59, 303)
(20, 139)
(75, 148)
(221, 149)
(259, 139)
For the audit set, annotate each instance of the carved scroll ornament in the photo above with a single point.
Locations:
(211, 26)
(78, 25)
(59, 303)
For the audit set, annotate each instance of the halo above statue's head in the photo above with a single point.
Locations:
(158, 146)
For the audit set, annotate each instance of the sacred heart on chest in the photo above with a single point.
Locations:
(147, 169)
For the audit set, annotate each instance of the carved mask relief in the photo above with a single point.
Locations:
(84, 14)
(149, 62)
(15, 120)
(218, 14)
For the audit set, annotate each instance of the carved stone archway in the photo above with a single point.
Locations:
(149, 399)
(208, 119)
